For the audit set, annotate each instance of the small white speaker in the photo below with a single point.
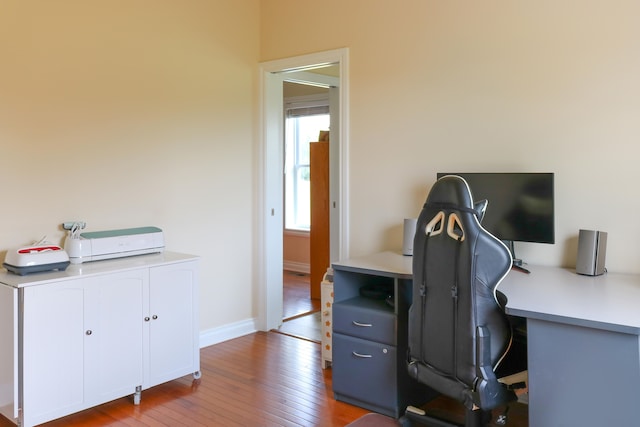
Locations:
(592, 249)
(409, 233)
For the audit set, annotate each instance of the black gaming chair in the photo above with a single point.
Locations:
(458, 331)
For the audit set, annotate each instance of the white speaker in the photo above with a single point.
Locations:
(592, 249)
(409, 233)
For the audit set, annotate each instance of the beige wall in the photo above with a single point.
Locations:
(295, 251)
(483, 86)
(132, 113)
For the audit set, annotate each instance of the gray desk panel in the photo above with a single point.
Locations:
(583, 345)
(610, 302)
(388, 264)
(581, 376)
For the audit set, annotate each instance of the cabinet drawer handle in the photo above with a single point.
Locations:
(362, 356)
(362, 325)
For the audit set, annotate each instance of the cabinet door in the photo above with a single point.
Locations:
(53, 350)
(173, 343)
(113, 335)
(9, 352)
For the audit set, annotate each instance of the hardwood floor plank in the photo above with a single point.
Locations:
(297, 295)
(262, 379)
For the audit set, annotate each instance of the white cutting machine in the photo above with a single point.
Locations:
(99, 245)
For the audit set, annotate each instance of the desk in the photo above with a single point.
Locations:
(583, 345)
(370, 335)
(583, 340)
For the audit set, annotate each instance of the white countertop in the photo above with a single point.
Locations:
(92, 268)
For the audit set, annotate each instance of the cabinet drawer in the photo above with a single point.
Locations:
(365, 373)
(365, 318)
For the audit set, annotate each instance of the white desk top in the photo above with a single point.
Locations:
(92, 268)
(610, 301)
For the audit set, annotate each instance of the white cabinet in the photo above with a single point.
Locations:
(8, 351)
(113, 335)
(53, 350)
(91, 333)
(171, 321)
(97, 332)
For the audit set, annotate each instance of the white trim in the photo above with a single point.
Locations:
(297, 267)
(314, 79)
(296, 233)
(343, 179)
(271, 75)
(306, 62)
(303, 101)
(227, 332)
(269, 218)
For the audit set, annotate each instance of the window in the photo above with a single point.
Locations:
(303, 123)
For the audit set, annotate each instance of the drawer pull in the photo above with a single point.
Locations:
(362, 325)
(362, 356)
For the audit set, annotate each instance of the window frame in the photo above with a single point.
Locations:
(317, 104)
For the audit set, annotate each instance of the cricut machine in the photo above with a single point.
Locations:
(99, 245)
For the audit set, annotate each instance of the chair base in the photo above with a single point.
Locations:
(478, 418)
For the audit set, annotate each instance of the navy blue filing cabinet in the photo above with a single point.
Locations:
(370, 334)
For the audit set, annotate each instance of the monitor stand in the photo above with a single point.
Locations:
(516, 263)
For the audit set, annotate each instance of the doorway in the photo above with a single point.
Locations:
(269, 246)
(308, 121)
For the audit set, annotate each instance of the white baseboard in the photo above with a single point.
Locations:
(298, 267)
(227, 332)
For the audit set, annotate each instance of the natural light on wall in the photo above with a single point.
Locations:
(303, 125)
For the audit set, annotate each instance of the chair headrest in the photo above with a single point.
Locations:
(451, 190)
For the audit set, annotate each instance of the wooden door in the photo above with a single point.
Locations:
(319, 235)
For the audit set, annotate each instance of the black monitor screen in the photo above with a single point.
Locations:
(520, 205)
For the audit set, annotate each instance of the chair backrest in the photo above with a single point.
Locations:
(458, 332)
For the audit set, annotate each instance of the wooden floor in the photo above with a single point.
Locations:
(297, 295)
(262, 379)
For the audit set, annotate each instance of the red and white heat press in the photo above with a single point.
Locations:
(36, 258)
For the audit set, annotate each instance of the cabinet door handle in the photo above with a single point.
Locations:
(89, 332)
(362, 325)
(146, 319)
(362, 356)
(155, 316)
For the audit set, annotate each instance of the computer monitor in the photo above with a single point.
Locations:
(521, 205)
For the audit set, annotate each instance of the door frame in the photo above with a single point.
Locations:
(270, 220)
